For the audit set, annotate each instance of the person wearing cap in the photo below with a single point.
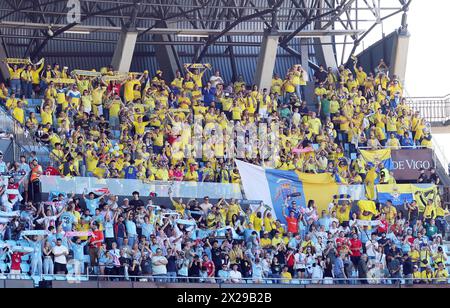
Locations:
(427, 275)
(416, 275)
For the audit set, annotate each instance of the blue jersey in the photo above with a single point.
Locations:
(131, 227)
(147, 230)
(67, 219)
(92, 205)
(109, 229)
(131, 173)
(37, 246)
(78, 251)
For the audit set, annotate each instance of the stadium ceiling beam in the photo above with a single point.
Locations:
(310, 18)
(173, 31)
(152, 42)
(212, 39)
(20, 9)
(218, 6)
(343, 9)
(167, 18)
(358, 41)
(71, 25)
(183, 12)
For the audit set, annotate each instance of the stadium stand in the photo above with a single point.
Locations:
(139, 126)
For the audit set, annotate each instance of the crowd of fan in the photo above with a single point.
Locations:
(142, 128)
(224, 242)
(187, 129)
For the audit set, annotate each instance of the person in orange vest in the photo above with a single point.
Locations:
(35, 182)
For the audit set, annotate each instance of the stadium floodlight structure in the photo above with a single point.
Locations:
(298, 27)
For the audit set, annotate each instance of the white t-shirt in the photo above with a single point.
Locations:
(372, 248)
(48, 221)
(296, 118)
(159, 269)
(206, 207)
(215, 81)
(58, 250)
(235, 276)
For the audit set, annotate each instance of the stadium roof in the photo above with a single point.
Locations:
(198, 29)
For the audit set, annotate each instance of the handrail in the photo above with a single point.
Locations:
(221, 281)
(23, 137)
(433, 109)
(429, 97)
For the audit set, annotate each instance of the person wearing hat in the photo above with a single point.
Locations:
(416, 275)
(427, 275)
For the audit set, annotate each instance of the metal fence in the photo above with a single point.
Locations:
(96, 281)
(23, 139)
(433, 109)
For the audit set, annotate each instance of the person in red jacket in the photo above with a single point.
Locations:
(95, 242)
(355, 249)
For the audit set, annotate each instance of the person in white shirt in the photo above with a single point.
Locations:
(235, 275)
(216, 79)
(60, 252)
(206, 206)
(372, 247)
(159, 263)
(176, 238)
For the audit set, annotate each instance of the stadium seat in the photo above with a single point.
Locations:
(25, 267)
(3, 266)
(11, 243)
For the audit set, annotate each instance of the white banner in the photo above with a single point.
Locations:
(356, 192)
(10, 214)
(255, 184)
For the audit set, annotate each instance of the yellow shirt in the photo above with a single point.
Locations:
(15, 74)
(140, 127)
(236, 113)
(197, 78)
(47, 117)
(266, 242)
(19, 115)
(276, 86)
(97, 95)
(178, 207)
(129, 89)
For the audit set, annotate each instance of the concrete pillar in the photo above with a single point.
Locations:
(167, 58)
(400, 57)
(309, 94)
(3, 68)
(123, 55)
(324, 47)
(266, 61)
(325, 52)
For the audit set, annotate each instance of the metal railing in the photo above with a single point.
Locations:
(23, 139)
(220, 281)
(433, 109)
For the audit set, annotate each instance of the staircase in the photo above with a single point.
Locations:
(24, 143)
